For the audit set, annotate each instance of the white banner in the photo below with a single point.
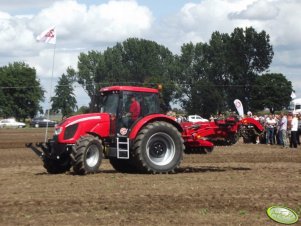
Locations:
(293, 95)
(239, 107)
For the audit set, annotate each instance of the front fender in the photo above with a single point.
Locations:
(149, 119)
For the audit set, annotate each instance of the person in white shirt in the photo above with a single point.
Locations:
(283, 131)
(294, 130)
(270, 125)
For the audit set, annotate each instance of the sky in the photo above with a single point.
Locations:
(84, 25)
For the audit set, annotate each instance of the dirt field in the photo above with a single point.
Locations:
(232, 186)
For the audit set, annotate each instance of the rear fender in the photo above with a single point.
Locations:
(149, 119)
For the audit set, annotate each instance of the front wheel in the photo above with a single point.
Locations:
(158, 148)
(87, 155)
(57, 166)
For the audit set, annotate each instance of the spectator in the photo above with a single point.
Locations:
(299, 131)
(294, 131)
(289, 127)
(276, 129)
(283, 131)
(270, 125)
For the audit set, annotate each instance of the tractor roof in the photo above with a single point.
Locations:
(129, 88)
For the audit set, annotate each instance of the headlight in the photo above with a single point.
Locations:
(58, 130)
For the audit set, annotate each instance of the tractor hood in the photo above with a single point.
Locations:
(69, 130)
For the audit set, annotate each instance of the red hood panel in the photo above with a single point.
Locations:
(95, 123)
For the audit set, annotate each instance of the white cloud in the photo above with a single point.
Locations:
(79, 28)
(78, 25)
(15, 38)
(197, 21)
(110, 22)
(259, 10)
(82, 27)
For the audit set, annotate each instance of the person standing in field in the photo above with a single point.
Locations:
(294, 131)
(289, 128)
(270, 125)
(283, 131)
(299, 131)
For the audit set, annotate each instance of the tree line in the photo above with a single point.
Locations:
(204, 78)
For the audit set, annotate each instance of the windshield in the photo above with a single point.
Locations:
(110, 103)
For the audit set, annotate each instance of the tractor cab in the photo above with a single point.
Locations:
(127, 105)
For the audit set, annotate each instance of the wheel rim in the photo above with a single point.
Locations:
(160, 149)
(92, 156)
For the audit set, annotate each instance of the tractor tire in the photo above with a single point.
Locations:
(123, 165)
(158, 148)
(87, 155)
(233, 138)
(249, 139)
(57, 166)
(207, 150)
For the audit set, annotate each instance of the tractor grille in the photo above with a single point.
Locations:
(70, 131)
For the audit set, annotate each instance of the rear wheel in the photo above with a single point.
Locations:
(87, 155)
(158, 148)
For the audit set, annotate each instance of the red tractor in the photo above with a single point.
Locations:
(251, 130)
(151, 143)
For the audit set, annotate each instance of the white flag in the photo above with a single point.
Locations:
(48, 36)
(293, 95)
(239, 107)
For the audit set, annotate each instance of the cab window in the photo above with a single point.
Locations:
(110, 103)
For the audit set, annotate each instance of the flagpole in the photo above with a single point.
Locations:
(46, 132)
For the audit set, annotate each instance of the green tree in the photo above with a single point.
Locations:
(132, 62)
(198, 94)
(148, 63)
(231, 63)
(202, 99)
(21, 92)
(64, 100)
(271, 91)
(89, 75)
(83, 110)
(248, 53)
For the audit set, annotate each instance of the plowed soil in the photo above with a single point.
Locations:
(234, 185)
